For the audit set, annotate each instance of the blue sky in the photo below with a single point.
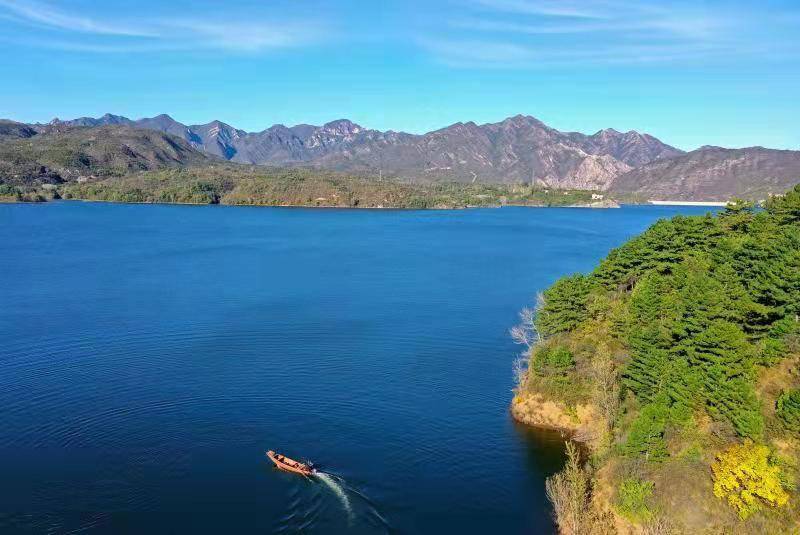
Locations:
(689, 72)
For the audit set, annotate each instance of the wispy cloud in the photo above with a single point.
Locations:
(48, 16)
(248, 36)
(467, 53)
(699, 27)
(504, 55)
(537, 33)
(159, 34)
(580, 10)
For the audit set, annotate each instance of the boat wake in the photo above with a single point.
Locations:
(333, 482)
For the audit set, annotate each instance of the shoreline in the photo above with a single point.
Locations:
(688, 203)
(323, 206)
(601, 205)
(537, 411)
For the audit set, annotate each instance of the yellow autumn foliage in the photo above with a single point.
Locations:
(745, 477)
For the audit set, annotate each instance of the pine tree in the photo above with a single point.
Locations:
(724, 357)
(788, 409)
(646, 437)
(564, 305)
(786, 209)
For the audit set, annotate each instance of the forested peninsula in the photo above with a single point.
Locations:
(675, 365)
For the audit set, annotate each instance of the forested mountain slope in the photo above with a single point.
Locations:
(676, 361)
(63, 154)
(714, 173)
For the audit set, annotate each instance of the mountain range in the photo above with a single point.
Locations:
(519, 149)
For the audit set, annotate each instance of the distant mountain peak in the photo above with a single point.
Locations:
(165, 123)
(343, 126)
(522, 120)
(521, 117)
(112, 117)
(632, 147)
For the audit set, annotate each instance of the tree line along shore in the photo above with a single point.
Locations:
(260, 186)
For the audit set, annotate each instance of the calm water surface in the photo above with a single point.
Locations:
(151, 354)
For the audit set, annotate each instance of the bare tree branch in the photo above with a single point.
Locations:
(569, 492)
(520, 369)
(525, 333)
(607, 392)
(521, 335)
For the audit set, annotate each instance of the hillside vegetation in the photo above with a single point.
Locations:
(676, 362)
(713, 173)
(227, 184)
(124, 164)
(65, 155)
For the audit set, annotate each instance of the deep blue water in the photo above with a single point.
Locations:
(151, 354)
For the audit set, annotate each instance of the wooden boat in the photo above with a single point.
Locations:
(290, 465)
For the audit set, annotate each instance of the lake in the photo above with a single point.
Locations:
(151, 354)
